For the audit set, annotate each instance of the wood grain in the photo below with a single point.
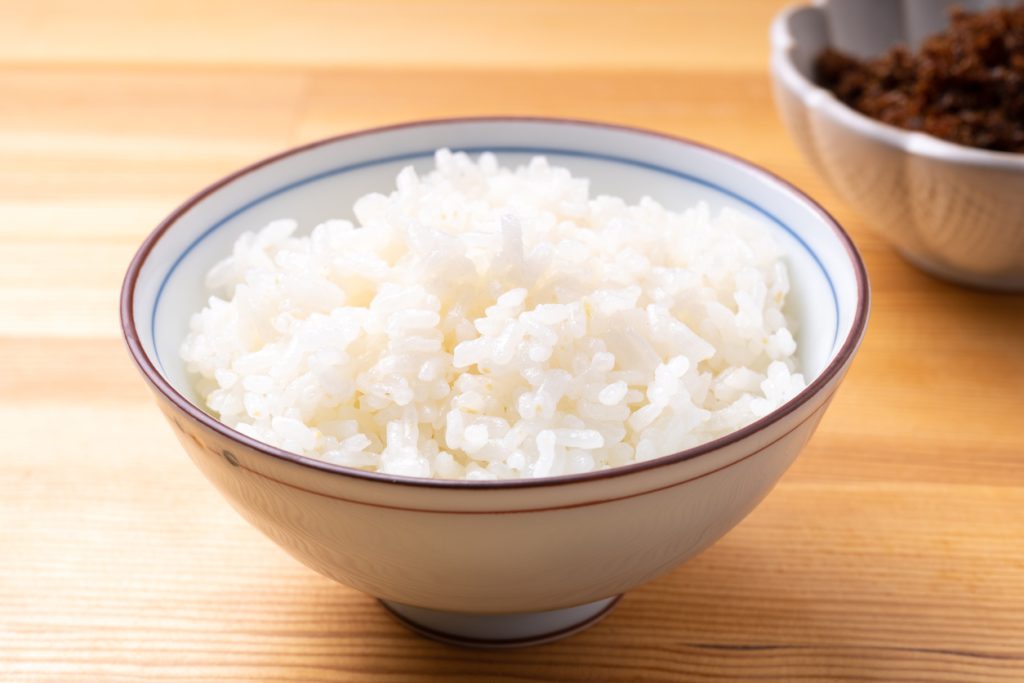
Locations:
(891, 551)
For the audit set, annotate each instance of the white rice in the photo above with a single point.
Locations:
(488, 323)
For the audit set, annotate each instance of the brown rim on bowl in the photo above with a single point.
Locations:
(156, 379)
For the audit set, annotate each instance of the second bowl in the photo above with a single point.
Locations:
(954, 211)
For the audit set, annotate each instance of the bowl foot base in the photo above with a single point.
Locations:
(500, 630)
(1004, 282)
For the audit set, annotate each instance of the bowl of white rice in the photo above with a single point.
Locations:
(495, 372)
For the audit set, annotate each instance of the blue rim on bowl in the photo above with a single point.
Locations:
(149, 366)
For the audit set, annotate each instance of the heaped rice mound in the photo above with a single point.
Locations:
(488, 323)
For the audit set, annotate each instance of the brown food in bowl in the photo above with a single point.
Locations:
(965, 85)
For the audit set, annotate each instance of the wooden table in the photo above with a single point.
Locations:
(891, 551)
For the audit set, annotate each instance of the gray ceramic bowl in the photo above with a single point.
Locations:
(955, 211)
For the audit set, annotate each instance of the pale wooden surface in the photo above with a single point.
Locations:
(891, 551)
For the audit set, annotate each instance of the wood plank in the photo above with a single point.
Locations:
(447, 33)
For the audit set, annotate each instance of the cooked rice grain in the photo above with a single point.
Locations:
(488, 323)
